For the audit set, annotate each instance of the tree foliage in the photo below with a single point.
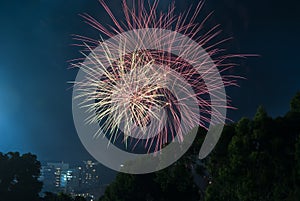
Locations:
(19, 177)
(173, 183)
(295, 103)
(255, 159)
(61, 197)
(262, 160)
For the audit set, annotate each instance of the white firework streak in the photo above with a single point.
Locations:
(131, 87)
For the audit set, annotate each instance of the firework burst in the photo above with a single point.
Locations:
(152, 95)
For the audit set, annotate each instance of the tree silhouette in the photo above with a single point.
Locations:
(19, 177)
(61, 197)
(295, 103)
(262, 159)
(255, 159)
(173, 183)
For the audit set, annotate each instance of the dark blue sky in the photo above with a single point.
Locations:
(35, 38)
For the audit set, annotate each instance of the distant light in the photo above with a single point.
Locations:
(121, 165)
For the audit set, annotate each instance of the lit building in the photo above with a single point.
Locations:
(90, 176)
(58, 168)
(80, 179)
(52, 176)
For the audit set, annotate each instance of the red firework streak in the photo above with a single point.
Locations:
(129, 88)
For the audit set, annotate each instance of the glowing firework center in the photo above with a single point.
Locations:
(136, 106)
(136, 101)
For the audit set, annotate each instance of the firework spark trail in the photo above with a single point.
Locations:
(130, 89)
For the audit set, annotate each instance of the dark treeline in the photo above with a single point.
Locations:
(258, 159)
(255, 159)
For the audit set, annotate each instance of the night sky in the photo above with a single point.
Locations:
(35, 46)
